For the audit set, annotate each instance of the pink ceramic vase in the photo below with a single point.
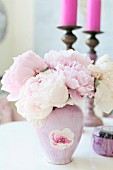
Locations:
(61, 134)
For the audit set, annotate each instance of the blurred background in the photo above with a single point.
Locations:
(32, 25)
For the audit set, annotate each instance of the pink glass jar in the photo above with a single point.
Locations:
(103, 140)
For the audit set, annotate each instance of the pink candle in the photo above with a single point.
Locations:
(69, 12)
(93, 15)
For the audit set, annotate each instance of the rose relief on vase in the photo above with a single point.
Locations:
(61, 139)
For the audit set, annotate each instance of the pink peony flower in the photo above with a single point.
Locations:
(25, 66)
(61, 139)
(40, 94)
(66, 58)
(74, 66)
(78, 79)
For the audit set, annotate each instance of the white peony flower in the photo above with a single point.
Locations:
(40, 94)
(104, 98)
(103, 72)
(102, 66)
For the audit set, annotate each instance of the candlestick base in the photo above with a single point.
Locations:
(69, 38)
(92, 121)
(90, 118)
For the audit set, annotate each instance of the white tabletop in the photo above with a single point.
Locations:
(20, 150)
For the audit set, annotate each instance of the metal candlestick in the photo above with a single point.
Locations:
(69, 38)
(90, 118)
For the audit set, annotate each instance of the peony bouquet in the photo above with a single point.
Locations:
(63, 77)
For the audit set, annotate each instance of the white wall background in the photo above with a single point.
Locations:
(47, 18)
(20, 31)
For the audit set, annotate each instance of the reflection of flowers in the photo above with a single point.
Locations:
(61, 139)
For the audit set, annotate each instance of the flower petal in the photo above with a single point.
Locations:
(104, 98)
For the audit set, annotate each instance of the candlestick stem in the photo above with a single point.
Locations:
(90, 117)
(92, 42)
(69, 38)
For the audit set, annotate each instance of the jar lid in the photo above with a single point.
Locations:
(104, 132)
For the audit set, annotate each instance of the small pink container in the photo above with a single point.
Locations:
(103, 143)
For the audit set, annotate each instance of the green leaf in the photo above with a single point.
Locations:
(45, 69)
(96, 83)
